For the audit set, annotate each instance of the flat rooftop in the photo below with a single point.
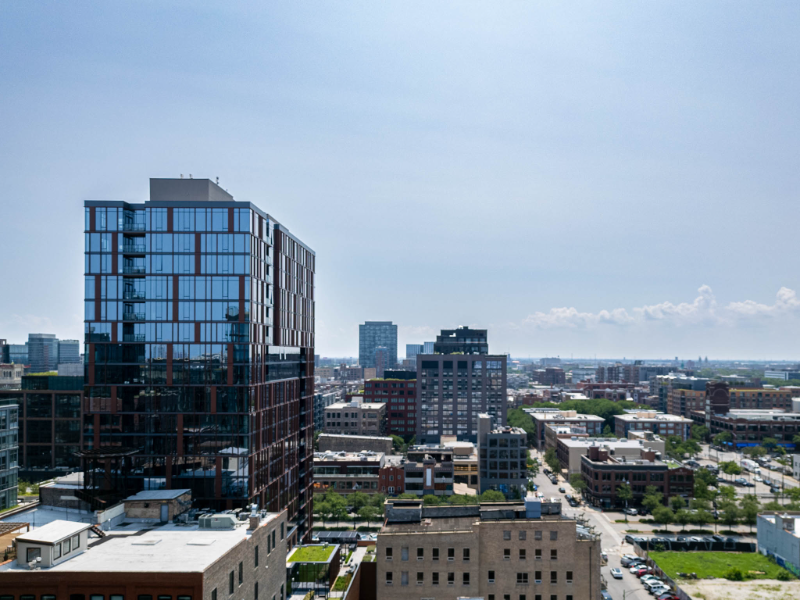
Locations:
(613, 443)
(54, 532)
(331, 456)
(360, 437)
(652, 416)
(346, 405)
(762, 415)
(166, 548)
(157, 495)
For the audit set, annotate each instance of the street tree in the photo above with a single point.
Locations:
(652, 498)
(492, 496)
(663, 515)
(577, 482)
(624, 492)
(750, 506)
(551, 459)
(683, 517)
(677, 503)
(368, 513)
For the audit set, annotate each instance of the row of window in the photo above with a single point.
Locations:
(522, 578)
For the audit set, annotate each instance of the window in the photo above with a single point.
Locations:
(451, 554)
(537, 577)
(388, 578)
(553, 535)
(57, 551)
(451, 579)
(553, 576)
(537, 597)
(435, 578)
(523, 534)
(51, 597)
(403, 577)
(522, 597)
(537, 535)
(465, 578)
(507, 554)
(553, 554)
(241, 573)
(145, 597)
(435, 552)
(420, 553)
(491, 576)
(121, 598)
(522, 555)
(404, 553)
(569, 576)
(255, 591)
(491, 596)
(214, 594)
(465, 554)
(522, 578)
(506, 535)
(284, 524)
(102, 597)
(569, 596)
(506, 596)
(255, 557)
(537, 554)
(388, 554)
(553, 597)
(230, 582)
(420, 577)
(32, 554)
(159, 597)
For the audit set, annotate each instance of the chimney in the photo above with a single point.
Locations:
(254, 522)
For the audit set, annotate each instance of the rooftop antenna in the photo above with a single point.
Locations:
(217, 180)
(181, 175)
(190, 176)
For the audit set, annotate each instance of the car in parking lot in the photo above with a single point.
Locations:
(631, 511)
(659, 589)
(604, 595)
(562, 490)
(758, 478)
(616, 573)
(774, 490)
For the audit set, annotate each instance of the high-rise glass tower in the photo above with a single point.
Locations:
(371, 336)
(69, 351)
(42, 352)
(413, 349)
(199, 318)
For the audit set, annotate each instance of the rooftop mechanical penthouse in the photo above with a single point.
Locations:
(199, 336)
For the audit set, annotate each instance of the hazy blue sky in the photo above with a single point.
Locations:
(599, 178)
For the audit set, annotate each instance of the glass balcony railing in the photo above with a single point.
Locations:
(133, 248)
(133, 337)
(131, 270)
(133, 227)
(133, 316)
(133, 296)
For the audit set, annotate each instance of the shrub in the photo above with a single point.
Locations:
(734, 575)
(784, 576)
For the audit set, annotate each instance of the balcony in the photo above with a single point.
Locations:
(133, 316)
(133, 295)
(131, 270)
(133, 249)
(133, 227)
(133, 337)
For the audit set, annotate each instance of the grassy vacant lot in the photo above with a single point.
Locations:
(311, 554)
(717, 564)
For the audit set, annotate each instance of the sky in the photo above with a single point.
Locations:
(609, 179)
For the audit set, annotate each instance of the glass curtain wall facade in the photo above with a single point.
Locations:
(373, 335)
(199, 345)
(42, 352)
(9, 453)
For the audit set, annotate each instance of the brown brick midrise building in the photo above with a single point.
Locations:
(604, 473)
(492, 551)
(199, 319)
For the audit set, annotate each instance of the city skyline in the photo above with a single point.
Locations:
(522, 169)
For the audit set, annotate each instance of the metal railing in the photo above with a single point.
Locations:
(133, 337)
(134, 248)
(133, 227)
(133, 296)
(133, 316)
(129, 270)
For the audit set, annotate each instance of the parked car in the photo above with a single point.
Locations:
(631, 511)
(562, 490)
(718, 538)
(604, 595)
(616, 573)
(659, 589)
(774, 490)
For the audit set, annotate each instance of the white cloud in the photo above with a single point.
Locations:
(703, 310)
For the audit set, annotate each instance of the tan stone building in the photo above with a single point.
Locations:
(496, 551)
(356, 417)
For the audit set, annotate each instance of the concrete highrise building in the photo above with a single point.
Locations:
(371, 336)
(456, 383)
(42, 352)
(199, 316)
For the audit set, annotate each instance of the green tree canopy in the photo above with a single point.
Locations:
(368, 513)
(492, 496)
(724, 437)
(577, 482)
(677, 503)
(663, 515)
(750, 506)
(769, 443)
(551, 460)
(699, 433)
(683, 517)
(430, 500)
(652, 498)
(357, 500)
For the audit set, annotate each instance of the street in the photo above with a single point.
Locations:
(612, 537)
